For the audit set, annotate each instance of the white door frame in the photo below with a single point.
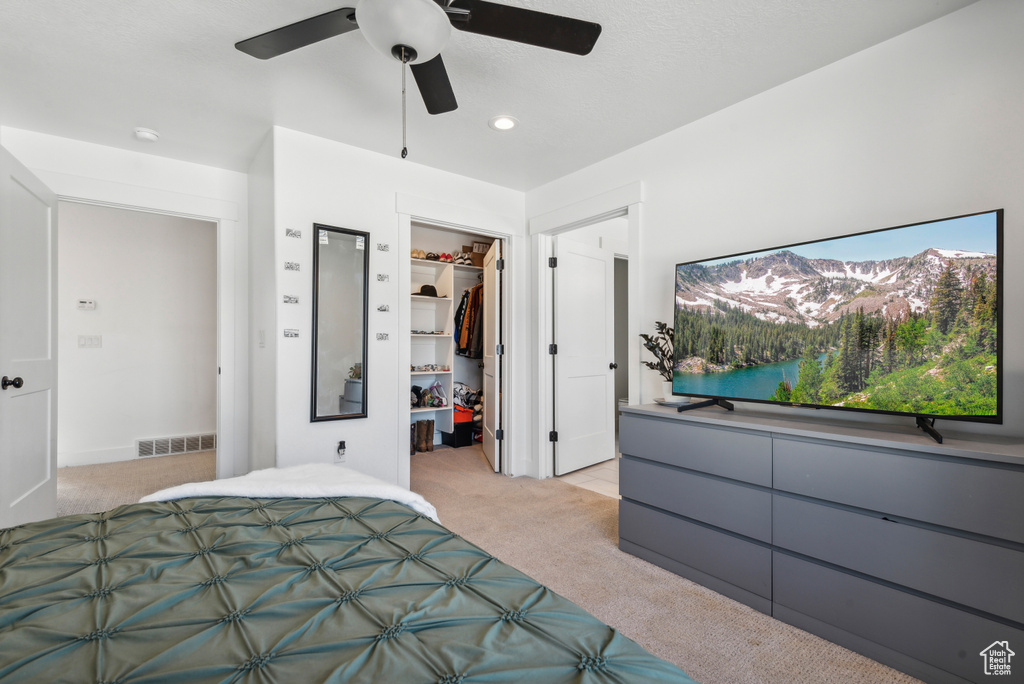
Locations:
(625, 202)
(433, 214)
(232, 383)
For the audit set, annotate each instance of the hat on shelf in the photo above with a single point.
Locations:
(428, 291)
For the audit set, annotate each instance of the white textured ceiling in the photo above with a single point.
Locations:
(95, 69)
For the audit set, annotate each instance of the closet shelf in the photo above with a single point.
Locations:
(429, 298)
(436, 337)
(447, 372)
(430, 409)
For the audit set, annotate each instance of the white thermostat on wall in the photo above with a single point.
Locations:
(87, 304)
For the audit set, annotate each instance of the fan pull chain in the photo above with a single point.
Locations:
(405, 149)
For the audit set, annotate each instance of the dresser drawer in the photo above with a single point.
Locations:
(738, 508)
(977, 497)
(925, 630)
(737, 455)
(741, 563)
(961, 570)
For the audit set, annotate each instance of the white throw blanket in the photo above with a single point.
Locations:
(301, 482)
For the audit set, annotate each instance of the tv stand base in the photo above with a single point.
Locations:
(929, 428)
(710, 402)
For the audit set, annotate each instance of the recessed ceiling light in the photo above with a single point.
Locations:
(146, 135)
(503, 123)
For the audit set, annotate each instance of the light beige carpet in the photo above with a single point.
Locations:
(95, 488)
(567, 538)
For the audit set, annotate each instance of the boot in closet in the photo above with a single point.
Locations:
(421, 435)
(430, 435)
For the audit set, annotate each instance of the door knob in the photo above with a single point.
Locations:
(16, 383)
(613, 365)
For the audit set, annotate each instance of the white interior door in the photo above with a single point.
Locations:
(28, 342)
(584, 308)
(492, 359)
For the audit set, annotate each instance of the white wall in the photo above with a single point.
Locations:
(94, 173)
(262, 338)
(611, 235)
(316, 180)
(153, 279)
(924, 126)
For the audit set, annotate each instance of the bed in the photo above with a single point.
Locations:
(335, 578)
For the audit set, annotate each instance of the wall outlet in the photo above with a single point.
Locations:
(339, 454)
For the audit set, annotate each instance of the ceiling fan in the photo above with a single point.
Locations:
(415, 31)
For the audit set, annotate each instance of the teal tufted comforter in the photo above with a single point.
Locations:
(288, 591)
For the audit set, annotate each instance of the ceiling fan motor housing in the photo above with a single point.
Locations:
(419, 26)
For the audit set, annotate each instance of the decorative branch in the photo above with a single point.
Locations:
(662, 346)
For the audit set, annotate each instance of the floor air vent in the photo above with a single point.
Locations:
(167, 446)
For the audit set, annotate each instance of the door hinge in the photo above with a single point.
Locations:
(552, 349)
(553, 436)
(552, 262)
(499, 264)
(499, 434)
(499, 350)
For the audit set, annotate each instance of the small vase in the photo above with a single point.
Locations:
(666, 388)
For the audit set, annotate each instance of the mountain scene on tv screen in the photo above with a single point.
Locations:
(914, 333)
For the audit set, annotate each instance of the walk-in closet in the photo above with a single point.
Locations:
(456, 340)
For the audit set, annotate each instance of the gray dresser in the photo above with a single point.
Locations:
(880, 540)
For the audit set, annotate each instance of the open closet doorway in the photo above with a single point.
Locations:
(456, 341)
(137, 342)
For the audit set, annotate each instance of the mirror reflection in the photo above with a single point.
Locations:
(340, 269)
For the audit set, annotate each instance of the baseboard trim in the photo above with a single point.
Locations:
(80, 458)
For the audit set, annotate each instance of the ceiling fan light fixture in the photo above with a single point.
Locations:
(417, 24)
(503, 123)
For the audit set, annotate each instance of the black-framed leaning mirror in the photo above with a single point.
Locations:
(341, 269)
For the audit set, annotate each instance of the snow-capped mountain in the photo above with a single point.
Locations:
(783, 286)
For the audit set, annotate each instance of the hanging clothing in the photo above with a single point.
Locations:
(460, 314)
(469, 330)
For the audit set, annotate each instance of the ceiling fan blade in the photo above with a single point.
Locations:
(432, 80)
(299, 34)
(528, 26)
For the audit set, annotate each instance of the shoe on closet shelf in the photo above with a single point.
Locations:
(431, 256)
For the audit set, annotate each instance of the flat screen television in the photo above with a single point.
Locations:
(902, 321)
